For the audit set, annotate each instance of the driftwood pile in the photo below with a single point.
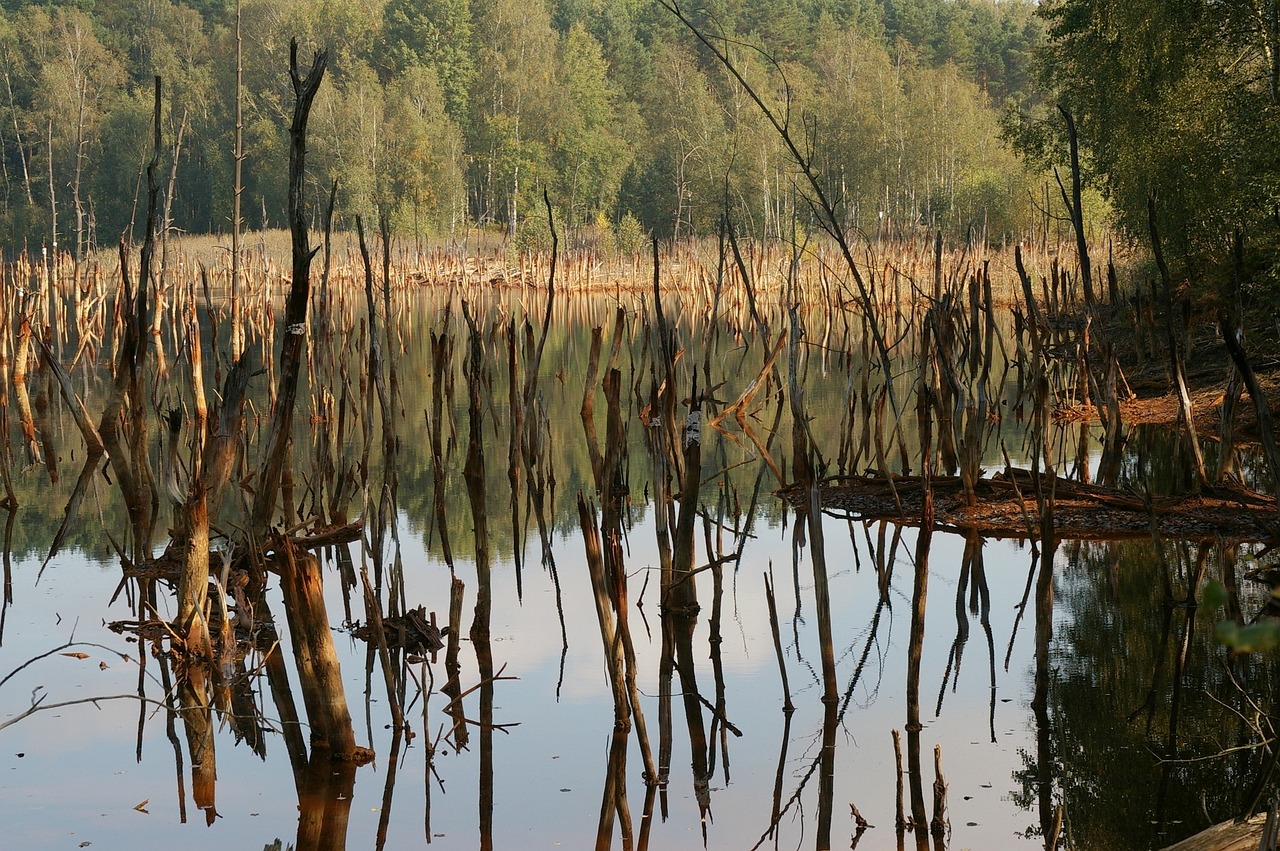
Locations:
(413, 631)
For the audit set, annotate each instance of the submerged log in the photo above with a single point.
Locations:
(1006, 507)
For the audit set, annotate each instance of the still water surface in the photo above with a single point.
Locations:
(117, 774)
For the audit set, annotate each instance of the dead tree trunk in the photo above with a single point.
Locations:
(319, 671)
(127, 404)
(1175, 348)
(295, 315)
(1074, 207)
(237, 329)
(1233, 337)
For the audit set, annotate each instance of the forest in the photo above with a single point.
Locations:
(921, 115)
(451, 114)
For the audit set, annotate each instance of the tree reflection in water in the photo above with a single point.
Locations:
(1127, 694)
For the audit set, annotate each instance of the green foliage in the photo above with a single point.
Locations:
(589, 152)
(512, 114)
(1250, 638)
(680, 176)
(118, 173)
(533, 234)
(1176, 99)
(468, 109)
(1259, 636)
(912, 145)
(434, 35)
(629, 237)
(426, 186)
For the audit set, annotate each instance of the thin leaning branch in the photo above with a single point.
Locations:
(38, 705)
(828, 219)
(62, 648)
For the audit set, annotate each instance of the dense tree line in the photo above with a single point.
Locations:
(453, 112)
(1177, 104)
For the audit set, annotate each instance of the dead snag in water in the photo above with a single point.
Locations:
(237, 223)
(1034, 313)
(198, 503)
(615, 664)
(1175, 346)
(319, 671)
(453, 668)
(1075, 207)
(44, 418)
(393, 380)
(127, 404)
(900, 821)
(531, 375)
(534, 432)
(373, 613)
(375, 349)
(25, 417)
(93, 446)
(787, 706)
(195, 360)
(384, 403)
(441, 372)
(193, 689)
(295, 314)
(1233, 337)
(474, 473)
(683, 595)
(939, 825)
(608, 571)
(515, 443)
(1229, 322)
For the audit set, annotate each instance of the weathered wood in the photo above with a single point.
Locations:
(127, 404)
(1232, 338)
(1227, 836)
(615, 664)
(1075, 206)
(193, 587)
(1175, 347)
(25, 418)
(222, 444)
(1006, 509)
(295, 314)
(319, 671)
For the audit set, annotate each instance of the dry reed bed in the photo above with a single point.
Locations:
(76, 309)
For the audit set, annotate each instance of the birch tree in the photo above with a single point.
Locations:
(74, 83)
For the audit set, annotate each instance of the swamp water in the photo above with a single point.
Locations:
(1083, 700)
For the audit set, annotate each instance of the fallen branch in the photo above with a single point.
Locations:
(39, 705)
(60, 649)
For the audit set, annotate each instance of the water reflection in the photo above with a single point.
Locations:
(646, 601)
